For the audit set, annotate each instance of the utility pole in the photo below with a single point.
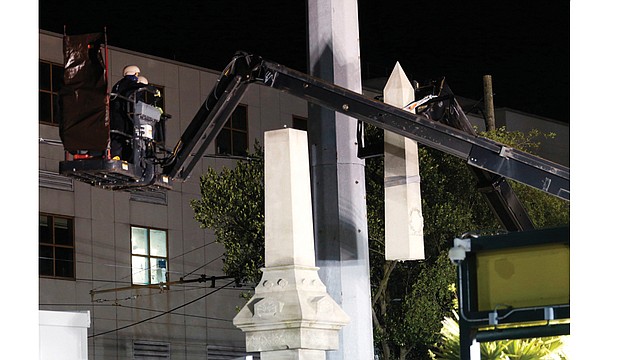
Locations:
(337, 175)
(489, 108)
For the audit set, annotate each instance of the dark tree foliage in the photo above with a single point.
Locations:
(416, 295)
(409, 299)
(232, 205)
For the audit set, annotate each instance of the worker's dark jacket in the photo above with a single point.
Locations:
(119, 119)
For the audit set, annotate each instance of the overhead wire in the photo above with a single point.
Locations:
(170, 259)
(188, 285)
(163, 313)
(173, 313)
(200, 267)
(138, 308)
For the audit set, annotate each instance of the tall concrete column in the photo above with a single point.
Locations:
(339, 204)
(404, 238)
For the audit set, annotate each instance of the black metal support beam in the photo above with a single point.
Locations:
(203, 130)
(523, 332)
(479, 152)
(212, 116)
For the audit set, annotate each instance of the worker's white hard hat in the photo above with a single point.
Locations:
(143, 80)
(131, 70)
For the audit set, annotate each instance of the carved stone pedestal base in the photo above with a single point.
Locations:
(291, 316)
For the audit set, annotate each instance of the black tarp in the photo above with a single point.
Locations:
(84, 122)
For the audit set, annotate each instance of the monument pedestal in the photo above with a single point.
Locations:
(291, 315)
(291, 310)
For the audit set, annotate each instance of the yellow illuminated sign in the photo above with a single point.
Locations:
(523, 277)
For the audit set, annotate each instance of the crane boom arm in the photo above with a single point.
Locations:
(247, 69)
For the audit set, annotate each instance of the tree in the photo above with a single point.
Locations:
(232, 205)
(451, 205)
(409, 299)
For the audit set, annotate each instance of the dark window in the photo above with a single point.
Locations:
(56, 246)
(149, 256)
(300, 123)
(50, 80)
(233, 138)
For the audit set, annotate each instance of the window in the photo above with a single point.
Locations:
(149, 256)
(300, 123)
(56, 246)
(233, 139)
(50, 80)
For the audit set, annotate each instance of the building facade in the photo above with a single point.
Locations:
(105, 252)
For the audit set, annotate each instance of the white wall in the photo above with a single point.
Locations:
(63, 335)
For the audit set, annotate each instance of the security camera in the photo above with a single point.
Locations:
(456, 254)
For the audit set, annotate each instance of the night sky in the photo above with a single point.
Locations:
(533, 49)
(524, 45)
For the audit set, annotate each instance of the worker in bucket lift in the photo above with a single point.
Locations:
(159, 130)
(121, 126)
(143, 80)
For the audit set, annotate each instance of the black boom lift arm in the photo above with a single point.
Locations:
(245, 69)
(491, 162)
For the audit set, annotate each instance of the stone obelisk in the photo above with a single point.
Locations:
(291, 316)
(403, 200)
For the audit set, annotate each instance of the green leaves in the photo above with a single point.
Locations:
(417, 297)
(232, 206)
(448, 348)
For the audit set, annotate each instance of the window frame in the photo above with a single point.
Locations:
(296, 120)
(52, 92)
(54, 246)
(148, 256)
(228, 127)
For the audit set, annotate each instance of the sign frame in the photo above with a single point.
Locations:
(539, 320)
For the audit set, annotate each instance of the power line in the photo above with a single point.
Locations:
(173, 313)
(200, 267)
(139, 308)
(165, 285)
(169, 260)
(163, 313)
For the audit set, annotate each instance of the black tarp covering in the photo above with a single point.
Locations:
(84, 122)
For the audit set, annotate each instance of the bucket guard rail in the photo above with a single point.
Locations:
(140, 173)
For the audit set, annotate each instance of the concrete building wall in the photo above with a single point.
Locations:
(63, 335)
(103, 219)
